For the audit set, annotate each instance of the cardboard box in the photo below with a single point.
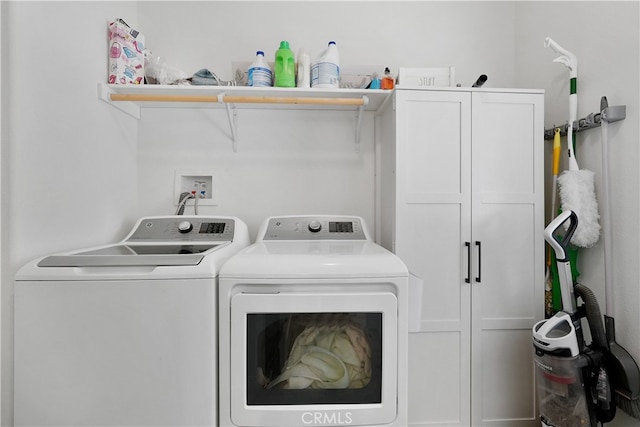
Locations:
(126, 54)
(427, 77)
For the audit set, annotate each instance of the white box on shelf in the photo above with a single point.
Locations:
(427, 77)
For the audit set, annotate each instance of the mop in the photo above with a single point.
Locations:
(576, 186)
(552, 289)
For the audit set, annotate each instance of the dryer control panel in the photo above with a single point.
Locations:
(183, 228)
(319, 227)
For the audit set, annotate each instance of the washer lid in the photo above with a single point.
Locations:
(157, 248)
(134, 255)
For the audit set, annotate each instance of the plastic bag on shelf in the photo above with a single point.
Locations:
(158, 72)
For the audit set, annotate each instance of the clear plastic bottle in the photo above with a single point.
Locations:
(325, 71)
(259, 73)
(285, 66)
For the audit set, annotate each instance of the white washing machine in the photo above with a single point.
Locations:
(124, 334)
(313, 327)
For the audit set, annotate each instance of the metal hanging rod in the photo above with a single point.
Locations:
(591, 121)
(588, 122)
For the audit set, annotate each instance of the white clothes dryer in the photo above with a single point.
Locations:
(124, 334)
(313, 327)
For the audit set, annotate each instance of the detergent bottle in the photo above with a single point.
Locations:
(259, 73)
(325, 71)
(388, 82)
(303, 78)
(285, 66)
(375, 81)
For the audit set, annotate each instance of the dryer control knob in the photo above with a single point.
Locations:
(315, 226)
(185, 227)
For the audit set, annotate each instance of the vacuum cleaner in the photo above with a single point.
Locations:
(579, 384)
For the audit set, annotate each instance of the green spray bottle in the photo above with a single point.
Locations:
(285, 66)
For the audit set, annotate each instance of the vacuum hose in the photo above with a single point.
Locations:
(480, 81)
(594, 317)
(598, 381)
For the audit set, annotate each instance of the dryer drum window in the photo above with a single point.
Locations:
(314, 358)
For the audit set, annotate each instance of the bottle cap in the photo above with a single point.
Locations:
(284, 44)
(332, 42)
(260, 53)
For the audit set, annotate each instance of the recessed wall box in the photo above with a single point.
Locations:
(200, 182)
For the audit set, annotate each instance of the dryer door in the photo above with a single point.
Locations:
(313, 358)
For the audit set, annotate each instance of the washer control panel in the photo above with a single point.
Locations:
(314, 228)
(181, 228)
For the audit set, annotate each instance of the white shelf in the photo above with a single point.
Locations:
(169, 96)
(131, 98)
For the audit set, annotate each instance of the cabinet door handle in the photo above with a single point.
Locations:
(479, 245)
(468, 278)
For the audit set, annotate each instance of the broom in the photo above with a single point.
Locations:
(625, 373)
(576, 186)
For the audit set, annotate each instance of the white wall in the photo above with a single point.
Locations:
(476, 37)
(304, 163)
(79, 171)
(72, 158)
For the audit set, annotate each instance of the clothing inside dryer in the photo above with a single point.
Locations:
(314, 358)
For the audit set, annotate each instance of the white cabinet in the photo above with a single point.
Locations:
(460, 200)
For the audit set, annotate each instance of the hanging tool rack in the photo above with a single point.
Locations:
(593, 120)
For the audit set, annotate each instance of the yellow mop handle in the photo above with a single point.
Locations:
(556, 153)
(555, 169)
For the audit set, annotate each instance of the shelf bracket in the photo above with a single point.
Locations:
(232, 115)
(131, 108)
(365, 101)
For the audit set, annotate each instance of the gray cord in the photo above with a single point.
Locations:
(182, 202)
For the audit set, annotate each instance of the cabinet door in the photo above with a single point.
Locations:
(433, 205)
(508, 273)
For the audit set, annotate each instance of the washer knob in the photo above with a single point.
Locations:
(315, 226)
(185, 227)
